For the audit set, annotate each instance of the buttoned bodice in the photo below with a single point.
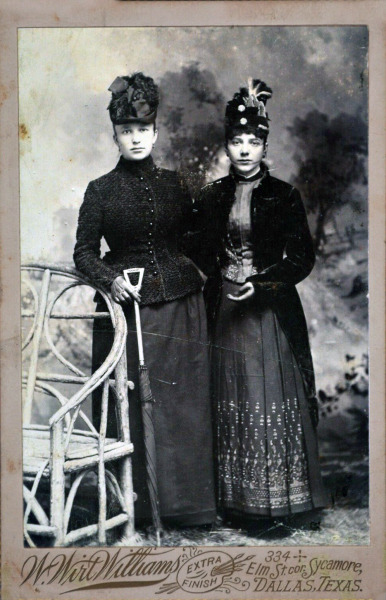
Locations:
(142, 212)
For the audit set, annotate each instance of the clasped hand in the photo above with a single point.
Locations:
(246, 291)
(122, 291)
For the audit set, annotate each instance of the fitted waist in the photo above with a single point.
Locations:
(143, 251)
(168, 275)
(239, 265)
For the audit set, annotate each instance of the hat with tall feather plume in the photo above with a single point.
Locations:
(247, 107)
(134, 98)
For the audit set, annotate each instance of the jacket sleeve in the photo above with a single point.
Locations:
(299, 256)
(88, 239)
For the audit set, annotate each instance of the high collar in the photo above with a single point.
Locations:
(137, 167)
(241, 179)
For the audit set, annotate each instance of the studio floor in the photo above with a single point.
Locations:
(344, 522)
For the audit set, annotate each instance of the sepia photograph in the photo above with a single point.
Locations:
(192, 307)
(194, 286)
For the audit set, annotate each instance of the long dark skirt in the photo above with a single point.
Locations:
(266, 446)
(176, 353)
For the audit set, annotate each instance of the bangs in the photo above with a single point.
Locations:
(231, 132)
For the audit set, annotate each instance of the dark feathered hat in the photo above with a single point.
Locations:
(247, 108)
(134, 98)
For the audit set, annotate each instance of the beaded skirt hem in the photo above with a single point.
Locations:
(266, 447)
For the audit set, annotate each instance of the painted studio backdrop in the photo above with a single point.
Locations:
(317, 141)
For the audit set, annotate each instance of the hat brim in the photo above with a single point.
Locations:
(148, 119)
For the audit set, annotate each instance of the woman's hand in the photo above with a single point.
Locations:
(122, 291)
(246, 291)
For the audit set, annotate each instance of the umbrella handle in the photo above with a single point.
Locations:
(140, 271)
(126, 274)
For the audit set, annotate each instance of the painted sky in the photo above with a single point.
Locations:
(66, 135)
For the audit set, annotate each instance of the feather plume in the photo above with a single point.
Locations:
(253, 86)
(258, 91)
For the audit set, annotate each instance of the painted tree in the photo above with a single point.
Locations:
(193, 110)
(331, 158)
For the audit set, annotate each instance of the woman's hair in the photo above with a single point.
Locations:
(233, 131)
(152, 123)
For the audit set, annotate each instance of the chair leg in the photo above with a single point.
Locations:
(57, 482)
(128, 495)
(125, 466)
(102, 504)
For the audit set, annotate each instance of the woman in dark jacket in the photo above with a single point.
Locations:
(142, 211)
(255, 246)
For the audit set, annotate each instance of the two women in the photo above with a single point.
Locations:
(254, 245)
(143, 211)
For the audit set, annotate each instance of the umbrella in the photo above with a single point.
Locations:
(147, 402)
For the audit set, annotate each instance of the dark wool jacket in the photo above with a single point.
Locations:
(142, 212)
(283, 254)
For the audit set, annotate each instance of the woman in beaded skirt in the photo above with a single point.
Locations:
(255, 246)
(142, 211)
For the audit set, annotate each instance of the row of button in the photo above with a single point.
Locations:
(151, 224)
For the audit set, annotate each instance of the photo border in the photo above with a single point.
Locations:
(110, 13)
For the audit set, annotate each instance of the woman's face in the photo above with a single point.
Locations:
(135, 140)
(245, 152)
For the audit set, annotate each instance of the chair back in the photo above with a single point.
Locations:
(57, 332)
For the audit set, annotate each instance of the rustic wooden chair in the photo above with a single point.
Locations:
(64, 453)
